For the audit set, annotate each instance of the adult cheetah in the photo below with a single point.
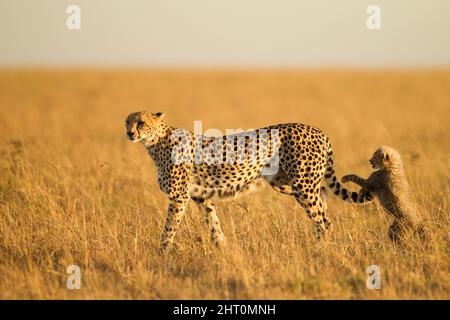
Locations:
(294, 158)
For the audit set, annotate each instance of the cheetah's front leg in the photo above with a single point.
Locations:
(212, 220)
(175, 213)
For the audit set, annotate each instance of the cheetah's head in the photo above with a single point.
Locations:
(385, 157)
(143, 125)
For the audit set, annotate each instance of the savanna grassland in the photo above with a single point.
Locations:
(73, 190)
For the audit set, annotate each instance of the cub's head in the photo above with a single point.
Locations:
(143, 125)
(385, 157)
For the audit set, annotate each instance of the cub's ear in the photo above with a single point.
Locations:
(159, 115)
(385, 156)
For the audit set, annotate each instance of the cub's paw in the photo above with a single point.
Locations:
(365, 194)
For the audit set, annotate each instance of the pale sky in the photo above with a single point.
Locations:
(225, 33)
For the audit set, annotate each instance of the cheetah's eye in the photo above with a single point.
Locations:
(140, 123)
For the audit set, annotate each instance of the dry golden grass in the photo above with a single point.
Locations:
(74, 191)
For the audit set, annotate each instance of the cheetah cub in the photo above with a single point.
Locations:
(388, 183)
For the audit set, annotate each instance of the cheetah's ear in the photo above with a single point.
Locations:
(159, 115)
(385, 156)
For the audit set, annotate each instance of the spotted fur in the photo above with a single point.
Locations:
(293, 158)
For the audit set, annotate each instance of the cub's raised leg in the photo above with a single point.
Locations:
(355, 179)
(363, 183)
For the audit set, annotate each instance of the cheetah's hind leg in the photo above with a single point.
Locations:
(311, 201)
(315, 207)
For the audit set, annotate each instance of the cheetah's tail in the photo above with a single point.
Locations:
(337, 188)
